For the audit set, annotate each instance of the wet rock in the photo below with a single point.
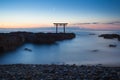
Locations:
(27, 49)
(119, 38)
(95, 50)
(110, 36)
(112, 45)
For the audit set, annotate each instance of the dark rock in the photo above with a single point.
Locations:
(119, 38)
(95, 50)
(27, 49)
(1, 49)
(109, 36)
(112, 45)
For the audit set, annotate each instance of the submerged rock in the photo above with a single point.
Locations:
(27, 49)
(95, 50)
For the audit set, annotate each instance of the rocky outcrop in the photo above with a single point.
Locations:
(10, 41)
(110, 36)
(112, 45)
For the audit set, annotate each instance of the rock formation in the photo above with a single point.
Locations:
(110, 36)
(10, 41)
(112, 45)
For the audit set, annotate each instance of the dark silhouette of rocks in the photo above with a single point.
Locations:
(110, 36)
(27, 49)
(96, 50)
(112, 45)
(119, 38)
(10, 41)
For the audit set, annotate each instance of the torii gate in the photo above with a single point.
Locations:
(60, 24)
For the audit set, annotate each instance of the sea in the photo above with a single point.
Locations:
(85, 49)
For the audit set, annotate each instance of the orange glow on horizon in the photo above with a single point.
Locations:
(22, 25)
(33, 25)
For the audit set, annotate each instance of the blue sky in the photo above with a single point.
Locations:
(40, 13)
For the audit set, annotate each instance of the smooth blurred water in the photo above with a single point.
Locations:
(75, 51)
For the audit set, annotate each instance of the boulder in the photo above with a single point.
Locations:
(110, 36)
(112, 45)
(27, 49)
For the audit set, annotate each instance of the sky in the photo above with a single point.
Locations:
(93, 14)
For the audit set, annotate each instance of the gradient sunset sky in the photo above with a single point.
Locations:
(95, 14)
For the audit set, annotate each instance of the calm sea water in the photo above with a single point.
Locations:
(76, 51)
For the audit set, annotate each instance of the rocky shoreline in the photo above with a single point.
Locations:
(58, 72)
(10, 41)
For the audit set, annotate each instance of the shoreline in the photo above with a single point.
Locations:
(91, 65)
(58, 72)
(101, 65)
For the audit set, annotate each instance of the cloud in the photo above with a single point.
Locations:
(113, 23)
(116, 22)
(85, 23)
(95, 23)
